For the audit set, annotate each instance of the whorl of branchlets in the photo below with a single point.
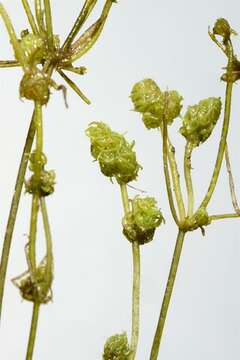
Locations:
(116, 348)
(114, 154)
(140, 223)
(200, 120)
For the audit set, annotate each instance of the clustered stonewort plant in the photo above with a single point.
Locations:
(37, 50)
(116, 158)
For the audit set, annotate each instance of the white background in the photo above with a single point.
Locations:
(168, 42)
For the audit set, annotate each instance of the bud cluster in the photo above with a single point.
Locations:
(154, 105)
(140, 223)
(114, 154)
(116, 348)
(200, 120)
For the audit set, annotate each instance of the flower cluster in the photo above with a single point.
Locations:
(116, 348)
(140, 223)
(155, 105)
(200, 120)
(114, 154)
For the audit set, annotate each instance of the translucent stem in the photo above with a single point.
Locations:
(231, 181)
(33, 331)
(167, 296)
(30, 16)
(136, 282)
(14, 208)
(49, 26)
(188, 177)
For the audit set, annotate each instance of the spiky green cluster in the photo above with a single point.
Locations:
(116, 348)
(114, 154)
(155, 105)
(141, 222)
(200, 119)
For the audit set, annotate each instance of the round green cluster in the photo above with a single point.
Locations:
(114, 154)
(33, 47)
(35, 86)
(116, 348)
(155, 105)
(141, 222)
(33, 287)
(200, 119)
(42, 184)
(198, 220)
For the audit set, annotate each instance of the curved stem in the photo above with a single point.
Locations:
(136, 281)
(175, 179)
(166, 173)
(167, 295)
(222, 144)
(48, 243)
(14, 208)
(188, 177)
(231, 181)
(33, 331)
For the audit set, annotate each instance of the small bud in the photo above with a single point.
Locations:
(33, 47)
(35, 86)
(117, 348)
(141, 222)
(154, 105)
(35, 164)
(198, 220)
(43, 186)
(200, 120)
(145, 96)
(222, 28)
(33, 287)
(114, 154)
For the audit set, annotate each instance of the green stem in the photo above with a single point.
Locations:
(188, 177)
(39, 15)
(166, 172)
(48, 243)
(30, 16)
(167, 295)
(13, 37)
(82, 17)
(74, 87)
(33, 231)
(222, 144)
(175, 179)
(231, 181)
(14, 208)
(49, 26)
(33, 331)
(136, 281)
(9, 63)
(223, 216)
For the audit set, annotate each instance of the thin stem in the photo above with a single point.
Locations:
(9, 63)
(136, 281)
(49, 26)
(167, 295)
(222, 144)
(82, 17)
(74, 87)
(223, 216)
(231, 181)
(33, 231)
(13, 37)
(166, 172)
(39, 15)
(33, 331)
(188, 177)
(175, 178)
(30, 16)
(48, 242)
(14, 208)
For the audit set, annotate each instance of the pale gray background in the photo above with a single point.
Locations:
(168, 41)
